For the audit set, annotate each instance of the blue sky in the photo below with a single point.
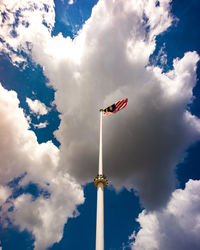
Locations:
(60, 61)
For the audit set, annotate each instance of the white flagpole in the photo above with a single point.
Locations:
(100, 182)
(100, 146)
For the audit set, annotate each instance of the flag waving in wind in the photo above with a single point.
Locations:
(116, 107)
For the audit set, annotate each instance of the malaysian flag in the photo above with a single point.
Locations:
(116, 107)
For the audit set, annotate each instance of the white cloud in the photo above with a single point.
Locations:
(41, 125)
(32, 15)
(45, 218)
(175, 227)
(20, 153)
(105, 62)
(70, 2)
(109, 56)
(37, 107)
(108, 61)
(5, 192)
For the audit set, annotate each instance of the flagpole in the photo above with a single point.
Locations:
(100, 146)
(100, 182)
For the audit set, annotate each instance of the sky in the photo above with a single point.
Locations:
(60, 62)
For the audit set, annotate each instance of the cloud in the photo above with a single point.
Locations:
(45, 218)
(109, 60)
(37, 107)
(21, 155)
(5, 192)
(70, 2)
(176, 226)
(20, 20)
(41, 125)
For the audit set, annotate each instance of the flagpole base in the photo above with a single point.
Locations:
(100, 178)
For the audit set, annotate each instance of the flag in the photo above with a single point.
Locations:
(116, 107)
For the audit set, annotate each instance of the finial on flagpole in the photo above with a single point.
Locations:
(100, 178)
(100, 110)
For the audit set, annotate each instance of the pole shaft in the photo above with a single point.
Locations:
(100, 197)
(100, 218)
(100, 147)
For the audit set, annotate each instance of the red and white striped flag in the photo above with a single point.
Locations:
(116, 107)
